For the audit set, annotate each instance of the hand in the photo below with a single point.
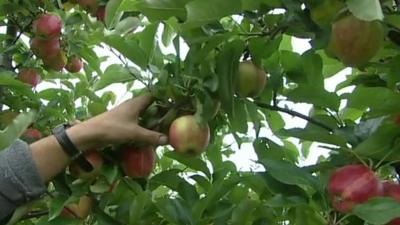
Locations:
(119, 125)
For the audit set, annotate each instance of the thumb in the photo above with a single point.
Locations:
(151, 137)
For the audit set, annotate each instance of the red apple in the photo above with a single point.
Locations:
(31, 135)
(187, 136)
(101, 13)
(391, 189)
(351, 185)
(79, 210)
(56, 63)
(395, 222)
(251, 80)
(138, 162)
(29, 76)
(89, 5)
(74, 65)
(45, 48)
(354, 41)
(95, 159)
(47, 26)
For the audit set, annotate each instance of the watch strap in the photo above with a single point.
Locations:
(69, 147)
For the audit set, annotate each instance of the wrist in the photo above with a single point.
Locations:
(85, 136)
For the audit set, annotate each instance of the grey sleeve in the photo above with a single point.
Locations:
(20, 181)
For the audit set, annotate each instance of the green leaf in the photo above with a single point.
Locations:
(280, 201)
(129, 48)
(193, 163)
(115, 73)
(127, 25)
(168, 34)
(366, 9)
(243, 213)
(382, 143)
(91, 57)
(112, 12)
(200, 12)
(57, 205)
(380, 100)
(393, 20)
(147, 40)
(286, 43)
(378, 210)
(227, 69)
(9, 135)
(315, 95)
(96, 108)
(262, 48)
(215, 193)
(171, 179)
(174, 211)
(314, 135)
(7, 79)
(163, 9)
(103, 218)
(330, 66)
(289, 173)
(136, 209)
(312, 66)
(238, 119)
(305, 215)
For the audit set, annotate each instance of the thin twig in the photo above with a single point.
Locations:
(127, 67)
(21, 31)
(296, 114)
(34, 214)
(339, 121)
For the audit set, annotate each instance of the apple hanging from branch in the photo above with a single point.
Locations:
(351, 185)
(138, 162)
(188, 136)
(29, 76)
(95, 159)
(251, 81)
(79, 210)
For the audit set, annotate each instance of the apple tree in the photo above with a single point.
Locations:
(226, 78)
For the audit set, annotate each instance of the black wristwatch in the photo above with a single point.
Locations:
(68, 146)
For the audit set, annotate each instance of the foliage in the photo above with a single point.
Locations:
(150, 39)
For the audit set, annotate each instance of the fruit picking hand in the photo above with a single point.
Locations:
(117, 126)
(120, 125)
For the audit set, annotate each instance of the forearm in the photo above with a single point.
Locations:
(49, 156)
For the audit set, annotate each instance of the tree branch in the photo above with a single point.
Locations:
(11, 33)
(6, 62)
(296, 114)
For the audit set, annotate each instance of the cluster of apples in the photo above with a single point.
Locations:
(47, 44)
(355, 184)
